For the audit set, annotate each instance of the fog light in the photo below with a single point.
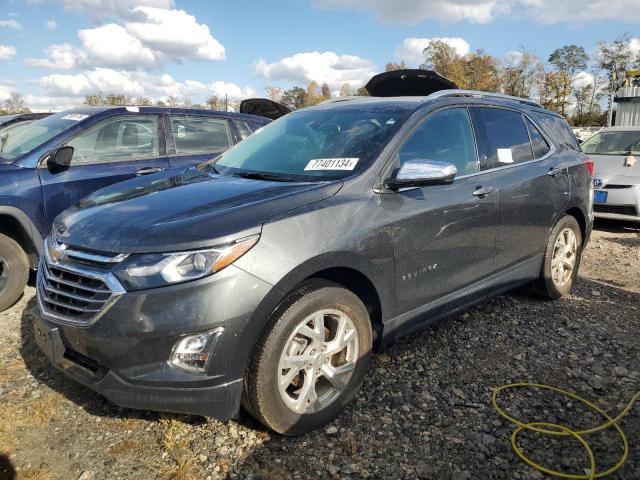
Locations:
(192, 353)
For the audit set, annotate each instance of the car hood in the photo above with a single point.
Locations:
(609, 166)
(180, 210)
(409, 82)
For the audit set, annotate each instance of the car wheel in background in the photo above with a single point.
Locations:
(14, 272)
(561, 259)
(311, 360)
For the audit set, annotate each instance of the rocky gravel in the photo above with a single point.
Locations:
(424, 410)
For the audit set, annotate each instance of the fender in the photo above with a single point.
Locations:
(309, 268)
(30, 231)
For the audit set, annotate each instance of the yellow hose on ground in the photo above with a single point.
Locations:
(546, 428)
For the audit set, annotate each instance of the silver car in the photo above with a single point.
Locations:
(616, 156)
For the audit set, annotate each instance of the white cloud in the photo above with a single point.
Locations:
(5, 92)
(7, 52)
(483, 11)
(51, 24)
(175, 32)
(58, 56)
(634, 46)
(113, 46)
(112, 8)
(231, 91)
(11, 23)
(416, 11)
(411, 48)
(582, 79)
(150, 39)
(322, 67)
(581, 11)
(134, 83)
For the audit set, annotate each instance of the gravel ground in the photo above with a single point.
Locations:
(423, 412)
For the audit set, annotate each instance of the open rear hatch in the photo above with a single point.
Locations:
(410, 82)
(263, 107)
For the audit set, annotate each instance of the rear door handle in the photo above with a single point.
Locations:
(482, 191)
(148, 170)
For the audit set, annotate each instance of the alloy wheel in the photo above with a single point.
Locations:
(318, 361)
(564, 257)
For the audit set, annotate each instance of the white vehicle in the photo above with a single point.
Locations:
(616, 156)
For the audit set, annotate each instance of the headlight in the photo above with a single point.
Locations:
(160, 269)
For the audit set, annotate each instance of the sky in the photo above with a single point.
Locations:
(54, 52)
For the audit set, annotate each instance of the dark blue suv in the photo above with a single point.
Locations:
(40, 176)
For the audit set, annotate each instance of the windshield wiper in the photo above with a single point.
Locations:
(264, 176)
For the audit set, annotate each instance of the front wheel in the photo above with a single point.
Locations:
(561, 259)
(14, 272)
(311, 360)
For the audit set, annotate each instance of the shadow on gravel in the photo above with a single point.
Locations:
(7, 472)
(616, 226)
(355, 436)
(39, 366)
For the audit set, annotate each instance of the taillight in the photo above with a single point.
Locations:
(590, 167)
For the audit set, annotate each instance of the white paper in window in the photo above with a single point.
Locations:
(504, 155)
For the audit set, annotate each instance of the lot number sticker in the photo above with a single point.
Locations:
(332, 164)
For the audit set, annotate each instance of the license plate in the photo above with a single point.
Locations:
(600, 197)
(48, 339)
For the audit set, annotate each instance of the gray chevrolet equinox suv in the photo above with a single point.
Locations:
(267, 276)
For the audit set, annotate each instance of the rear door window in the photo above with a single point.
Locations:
(506, 139)
(200, 134)
(538, 143)
(117, 140)
(445, 136)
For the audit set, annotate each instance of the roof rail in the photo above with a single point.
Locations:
(479, 94)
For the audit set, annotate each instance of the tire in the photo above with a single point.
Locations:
(286, 339)
(551, 284)
(14, 272)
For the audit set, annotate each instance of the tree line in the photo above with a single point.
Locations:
(555, 83)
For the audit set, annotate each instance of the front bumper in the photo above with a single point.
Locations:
(125, 354)
(622, 203)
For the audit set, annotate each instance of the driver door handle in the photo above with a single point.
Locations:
(482, 191)
(148, 170)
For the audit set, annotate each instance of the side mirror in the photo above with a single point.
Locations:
(419, 173)
(60, 159)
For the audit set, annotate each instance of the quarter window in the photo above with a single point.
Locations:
(117, 140)
(445, 136)
(506, 137)
(538, 143)
(194, 134)
(243, 129)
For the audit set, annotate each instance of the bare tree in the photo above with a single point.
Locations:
(325, 91)
(615, 58)
(213, 102)
(274, 93)
(345, 90)
(94, 100)
(142, 101)
(391, 66)
(522, 73)
(172, 101)
(15, 103)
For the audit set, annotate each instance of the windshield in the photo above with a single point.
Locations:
(613, 143)
(15, 142)
(318, 144)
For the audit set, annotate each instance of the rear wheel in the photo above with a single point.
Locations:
(14, 271)
(562, 258)
(311, 360)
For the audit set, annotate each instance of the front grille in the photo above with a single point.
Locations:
(74, 294)
(614, 186)
(618, 209)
